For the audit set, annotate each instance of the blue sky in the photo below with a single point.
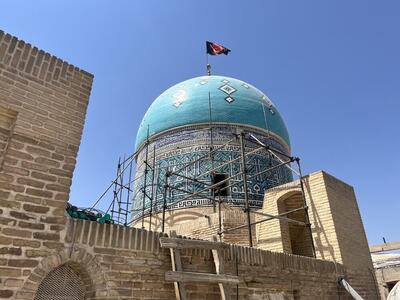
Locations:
(331, 67)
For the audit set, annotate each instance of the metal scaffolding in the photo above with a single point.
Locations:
(121, 207)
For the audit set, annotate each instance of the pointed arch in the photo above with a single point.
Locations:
(83, 269)
(296, 239)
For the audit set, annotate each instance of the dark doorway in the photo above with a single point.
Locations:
(218, 178)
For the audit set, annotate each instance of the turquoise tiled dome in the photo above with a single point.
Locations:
(232, 101)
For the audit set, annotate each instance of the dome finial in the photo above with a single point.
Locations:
(208, 69)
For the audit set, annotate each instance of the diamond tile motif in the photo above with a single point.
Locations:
(179, 97)
(245, 85)
(225, 81)
(227, 89)
(203, 82)
(229, 99)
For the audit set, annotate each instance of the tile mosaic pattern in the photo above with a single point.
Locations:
(180, 152)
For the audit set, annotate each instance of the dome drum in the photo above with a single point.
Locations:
(176, 149)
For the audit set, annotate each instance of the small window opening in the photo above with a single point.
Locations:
(218, 178)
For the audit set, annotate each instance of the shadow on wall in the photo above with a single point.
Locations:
(321, 240)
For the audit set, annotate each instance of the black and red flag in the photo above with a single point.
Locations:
(216, 49)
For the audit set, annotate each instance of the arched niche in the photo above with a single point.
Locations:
(67, 281)
(79, 270)
(296, 239)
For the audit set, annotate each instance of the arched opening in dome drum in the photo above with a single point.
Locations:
(221, 190)
(296, 238)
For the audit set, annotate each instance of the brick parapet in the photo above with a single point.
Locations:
(118, 237)
(50, 95)
(128, 262)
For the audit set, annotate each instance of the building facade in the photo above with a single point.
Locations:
(45, 254)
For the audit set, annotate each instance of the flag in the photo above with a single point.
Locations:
(216, 49)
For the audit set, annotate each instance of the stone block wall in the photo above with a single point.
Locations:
(43, 103)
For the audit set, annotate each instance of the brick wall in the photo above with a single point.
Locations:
(336, 225)
(43, 103)
(207, 227)
(7, 122)
(128, 263)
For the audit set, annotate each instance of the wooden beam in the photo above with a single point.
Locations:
(178, 243)
(384, 247)
(200, 277)
(219, 268)
(180, 291)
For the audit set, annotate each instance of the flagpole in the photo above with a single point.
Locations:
(208, 66)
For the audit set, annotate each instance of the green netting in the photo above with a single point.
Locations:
(90, 214)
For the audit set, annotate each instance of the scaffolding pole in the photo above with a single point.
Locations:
(305, 204)
(190, 178)
(204, 156)
(271, 217)
(215, 189)
(231, 161)
(267, 147)
(165, 200)
(227, 179)
(255, 175)
(211, 147)
(152, 183)
(246, 193)
(281, 218)
(187, 192)
(121, 178)
(115, 189)
(198, 193)
(219, 217)
(111, 184)
(206, 189)
(145, 176)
